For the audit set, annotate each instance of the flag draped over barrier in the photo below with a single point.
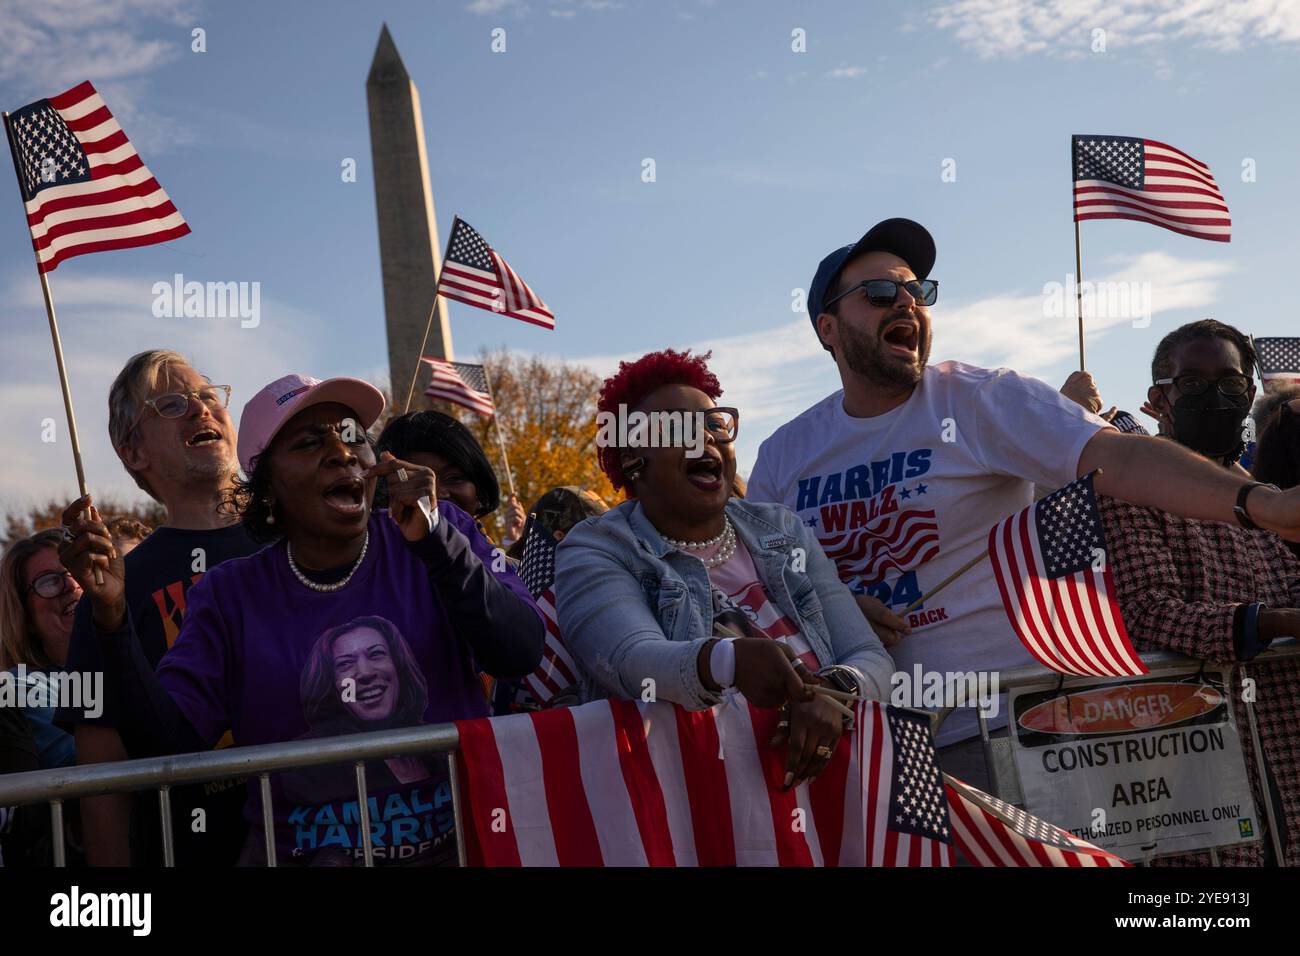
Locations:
(990, 832)
(622, 783)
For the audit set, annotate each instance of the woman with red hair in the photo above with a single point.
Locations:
(690, 593)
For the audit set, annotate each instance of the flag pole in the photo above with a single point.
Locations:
(1078, 290)
(984, 553)
(496, 421)
(429, 324)
(58, 346)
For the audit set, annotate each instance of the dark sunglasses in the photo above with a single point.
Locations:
(51, 584)
(884, 292)
(1191, 384)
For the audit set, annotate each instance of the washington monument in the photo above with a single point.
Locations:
(409, 251)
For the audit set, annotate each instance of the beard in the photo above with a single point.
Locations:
(867, 355)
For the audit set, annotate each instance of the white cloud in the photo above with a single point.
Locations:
(51, 46)
(1008, 28)
(103, 320)
(847, 72)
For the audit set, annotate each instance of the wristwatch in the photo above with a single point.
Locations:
(1239, 509)
(840, 678)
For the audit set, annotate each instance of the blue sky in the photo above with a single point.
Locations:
(765, 159)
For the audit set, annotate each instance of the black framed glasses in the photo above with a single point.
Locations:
(51, 584)
(177, 404)
(884, 292)
(1190, 383)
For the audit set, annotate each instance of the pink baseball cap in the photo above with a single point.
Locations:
(267, 411)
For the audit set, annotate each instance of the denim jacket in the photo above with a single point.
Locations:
(631, 607)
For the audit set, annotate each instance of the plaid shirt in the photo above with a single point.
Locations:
(1179, 584)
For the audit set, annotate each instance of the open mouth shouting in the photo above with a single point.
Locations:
(705, 472)
(346, 496)
(205, 437)
(902, 337)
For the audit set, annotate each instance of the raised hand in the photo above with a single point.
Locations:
(90, 548)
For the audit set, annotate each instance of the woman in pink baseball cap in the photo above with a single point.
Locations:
(253, 626)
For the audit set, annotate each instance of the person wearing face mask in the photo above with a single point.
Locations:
(903, 470)
(1203, 389)
(1212, 590)
(699, 592)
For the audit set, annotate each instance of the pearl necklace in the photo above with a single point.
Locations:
(727, 538)
(337, 585)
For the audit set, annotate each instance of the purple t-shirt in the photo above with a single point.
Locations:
(272, 660)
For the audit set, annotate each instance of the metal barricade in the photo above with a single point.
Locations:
(162, 773)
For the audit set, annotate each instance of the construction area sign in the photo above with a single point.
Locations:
(1142, 768)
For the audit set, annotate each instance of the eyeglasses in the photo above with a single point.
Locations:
(884, 292)
(722, 423)
(1189, 383)
(51, 584)
(177, 404)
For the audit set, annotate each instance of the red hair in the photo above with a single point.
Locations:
(635, 380)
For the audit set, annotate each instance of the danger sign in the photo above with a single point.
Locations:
(1141, 768)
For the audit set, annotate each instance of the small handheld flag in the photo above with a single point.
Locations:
(1053, 572)
(459, 382)
(474, 273)
(1279, 362)
(557, 671)
(84, 187)
(1127, 177)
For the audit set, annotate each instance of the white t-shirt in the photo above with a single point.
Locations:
(901, 500)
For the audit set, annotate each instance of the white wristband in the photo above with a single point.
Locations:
(722, 662)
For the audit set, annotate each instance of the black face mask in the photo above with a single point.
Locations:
(1211, 423)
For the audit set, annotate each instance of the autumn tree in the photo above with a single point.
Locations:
(19, 524)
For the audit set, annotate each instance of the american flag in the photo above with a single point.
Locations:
(557, 671)
(458, 382)
(473, 273)
(628, 783)
(1279, 361)
(1126, 423)
(1125, 177)
(990, 832)
(897, 542)
(84, 187)
(1051, 566)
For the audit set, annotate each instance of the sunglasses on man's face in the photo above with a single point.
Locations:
(51, 584)
(883, 293)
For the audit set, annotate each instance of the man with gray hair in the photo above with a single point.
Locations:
(174, 435)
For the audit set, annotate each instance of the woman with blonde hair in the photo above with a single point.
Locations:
(38, 599)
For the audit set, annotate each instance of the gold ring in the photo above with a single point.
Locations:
(824, 751)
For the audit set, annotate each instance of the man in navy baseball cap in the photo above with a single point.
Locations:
(869, 305)
(908, 240)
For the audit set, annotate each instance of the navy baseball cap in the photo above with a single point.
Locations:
(908, 240)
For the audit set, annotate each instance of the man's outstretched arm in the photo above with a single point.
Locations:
(1159, 473)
